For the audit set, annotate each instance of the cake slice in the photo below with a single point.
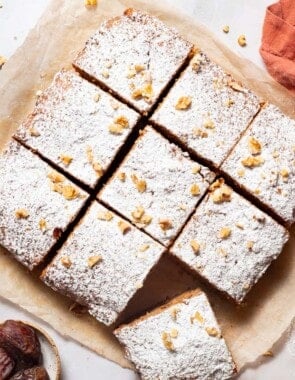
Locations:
(229, 242)
(179, 340)
(78, 127)
(135, 56)
(263, 162)
(36, 205)
(206, 110)
(157, 186)
(103, 263)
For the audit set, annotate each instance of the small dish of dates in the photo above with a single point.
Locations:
(27, 353)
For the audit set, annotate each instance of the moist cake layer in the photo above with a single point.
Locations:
(207, 110)
(78, 127)
(135, 56)
(157, 186)
(180, 340)
(263, 162)
(103, 263)
(229, 242)
(36, 204)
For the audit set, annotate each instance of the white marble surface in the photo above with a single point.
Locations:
(244, 17)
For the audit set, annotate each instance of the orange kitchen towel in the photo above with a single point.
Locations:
(278, 42)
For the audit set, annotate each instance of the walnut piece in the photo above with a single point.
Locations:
(165, 224)
(196, 169)
(224, 233)
(221, 192)
(22, 213)
(195, 190)
(42, 225)
(195, 246)
(174, 312)
(124, 226)
(183, 103)
(105, 215)
(121, 176)
(252, 162)
(66, 261)
(167, 341)
(90, 3)
(66, 159)
(197, 317)
(93, 260)
(140, 184)
(212, 331)
(55, 177)
(242, 40)
(225, 29)
(254, 145)
(209, 124)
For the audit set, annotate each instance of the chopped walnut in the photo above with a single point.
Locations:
(252, 162)
(167, 341)
(95, 165)
(285, 174)
(90, 3)
(224, 233)
(42, 225)
(146, 219)
(195, 246)
(209, 124)
(105, 74)
(55, 177)
(174, 312)
(165, 224)
(225, 29)
(96, 97)
(22, 213)
(34, 132)
(197, 317)
(124, 226)
(200, 133)
(196, 169)
(250, 245)
(196, 62)
(122, 176)
(221, 192)
(174, 333)
(195, 190)
(242, 40)
(116, 129)
(70, 192)
(139, 68)
(105, 215)
(144, 247)
(212, 331)
(66, 261)
(140, 184)
(122, 120)
(254, 145)
(66, 159)
(183, 103)
(257, 191)
(230, 102)
(138, 213)
(93, 260)
(145, 92)
(235, 85)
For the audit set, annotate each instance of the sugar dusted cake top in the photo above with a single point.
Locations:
(229, 242)
(78, 126)
(263, 162)
(36, 204)
(207, 110)
(157, 186)
(103, 263)
(135, 55)
(180, 340)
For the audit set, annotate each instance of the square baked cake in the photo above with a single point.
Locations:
(78, 127)
(263, 162)
(157, 186)
(229, 242)
(179, 340)
(36, 205)
(135, 56)
(103, 263)
(206, 110)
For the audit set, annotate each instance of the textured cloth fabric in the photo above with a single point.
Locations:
(278, 42)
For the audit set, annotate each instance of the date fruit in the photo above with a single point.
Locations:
(6, 364)
(35, 373)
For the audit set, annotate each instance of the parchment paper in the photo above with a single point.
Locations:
(61, 32)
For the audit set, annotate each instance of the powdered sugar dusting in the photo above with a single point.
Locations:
(196, 354)
(272, 182)
(169, 177)
(134, 39)
(212, 99)
(237, 244)
(122, 268)
(72, 117)
(25, 189)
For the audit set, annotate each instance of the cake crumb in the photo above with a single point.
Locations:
(106, 216)
(66, 261)
(209, 124)
(34, 132)
(93, 260)
(167, 341)
(183, 103)
(195, 190)
(225, 29)
(96, 97)
(174, 333)
(165, 224)
(22, 213)
(196, 169)
(242, 40)
(212, 331)
(197, 317)
(250, 245)
(224, 233)
(140, 184)
(66, 159)
(174, 312)
(43, 225)
(55, 177)
(122, 176)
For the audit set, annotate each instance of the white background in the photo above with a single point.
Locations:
(244, 17)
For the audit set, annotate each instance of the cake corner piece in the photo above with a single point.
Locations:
(180, 339)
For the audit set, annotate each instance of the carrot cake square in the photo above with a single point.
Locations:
(103, 263)
(229, 242)
(36, 205)
(157, 186)
(135, 56)
(179, 340)
(263, 162)
(206, 110)
(78, 127)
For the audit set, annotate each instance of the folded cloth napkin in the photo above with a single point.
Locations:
(278, 42)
